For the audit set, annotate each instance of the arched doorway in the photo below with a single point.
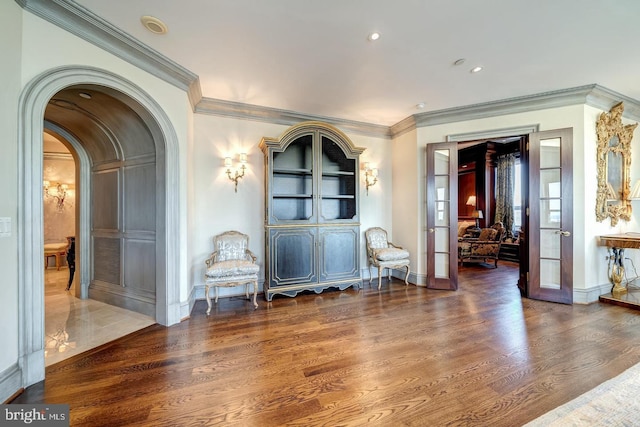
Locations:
(34, 103)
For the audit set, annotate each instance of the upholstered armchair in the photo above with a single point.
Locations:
(484, 248)
(384, 254)
(231, 264)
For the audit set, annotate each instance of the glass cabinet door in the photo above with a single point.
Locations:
(292, 185)
(338, 183)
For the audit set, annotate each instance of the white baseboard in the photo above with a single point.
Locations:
(10, 382)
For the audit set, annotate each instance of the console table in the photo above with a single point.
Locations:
(620, 293)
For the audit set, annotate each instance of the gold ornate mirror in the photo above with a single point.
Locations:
(614, 164)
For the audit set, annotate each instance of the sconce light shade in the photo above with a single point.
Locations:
(635, 193)
(477, 214)
(471, 201)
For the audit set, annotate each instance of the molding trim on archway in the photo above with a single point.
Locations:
(32, 105)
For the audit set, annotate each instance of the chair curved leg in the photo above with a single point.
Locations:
(406, 277)
(246, 290)
(380, 276)
(255, 294)
(206, 293)
(216, 289)
(370, 275)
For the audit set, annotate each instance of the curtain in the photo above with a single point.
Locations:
(504, 191)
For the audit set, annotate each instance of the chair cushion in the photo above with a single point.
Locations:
(232, 268)
(487, 249)
(391, 254)
(488, 234)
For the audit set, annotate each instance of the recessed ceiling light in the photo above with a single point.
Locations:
(154, 25)
(420, 105)
(459, 61)
(374, 36)
(476, 69)
(84, 95)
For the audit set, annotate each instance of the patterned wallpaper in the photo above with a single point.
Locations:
(59, 221)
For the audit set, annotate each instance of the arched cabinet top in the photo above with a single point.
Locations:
(308, 128)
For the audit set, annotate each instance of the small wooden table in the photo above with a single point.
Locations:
(620, 294)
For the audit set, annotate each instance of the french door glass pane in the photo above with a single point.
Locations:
(441, 162)
(550, 153)
(550, 244)
(550, 273)
(442, 240)
(442, 265)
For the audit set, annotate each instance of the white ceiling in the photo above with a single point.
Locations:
(313, 57)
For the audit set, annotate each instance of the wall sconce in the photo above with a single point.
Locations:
(237, 174)
(57, 191)
(370, 176)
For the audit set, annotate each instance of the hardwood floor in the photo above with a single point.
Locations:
(399, 356)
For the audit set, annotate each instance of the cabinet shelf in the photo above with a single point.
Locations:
(339, 196)
(291, 171)
(292, 196)
(337, 173)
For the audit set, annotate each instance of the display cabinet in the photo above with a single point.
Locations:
(312, 214)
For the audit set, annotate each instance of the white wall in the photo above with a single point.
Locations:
(46, 46)
(408, 201)
(217, 208)
(589, 264)
(10, 44)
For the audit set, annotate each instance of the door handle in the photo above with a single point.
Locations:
(563, 233)
(431, 230)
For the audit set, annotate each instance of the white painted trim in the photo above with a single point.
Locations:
(10, 382)
(591, 295)
(495, 133)
(218, 107)
(32, 103)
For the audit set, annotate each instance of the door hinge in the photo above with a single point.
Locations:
(527, 211)
(527, 147)
(527, 277)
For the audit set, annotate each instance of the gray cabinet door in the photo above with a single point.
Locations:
(338, 254)
(292, 256)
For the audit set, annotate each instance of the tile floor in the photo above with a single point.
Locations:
(73, 325)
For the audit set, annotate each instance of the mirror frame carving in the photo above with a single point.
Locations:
(609, 126)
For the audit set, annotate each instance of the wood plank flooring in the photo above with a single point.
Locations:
(481, 356)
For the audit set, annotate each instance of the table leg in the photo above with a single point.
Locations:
(616, 271)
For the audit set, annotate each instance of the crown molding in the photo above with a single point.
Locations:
(83, 23)
(593, 95)
(219, 107)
